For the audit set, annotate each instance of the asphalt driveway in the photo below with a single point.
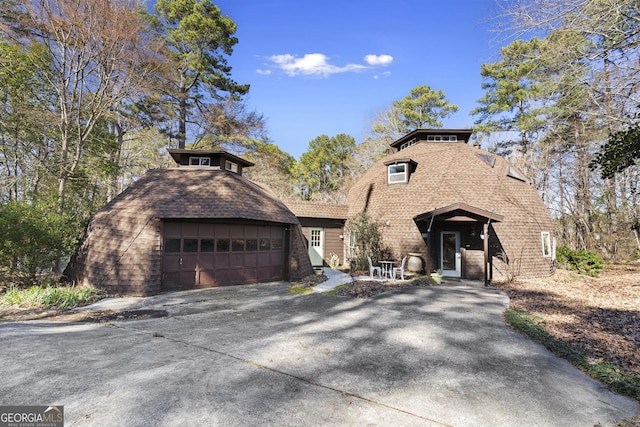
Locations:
(257, 355)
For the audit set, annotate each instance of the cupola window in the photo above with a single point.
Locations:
(199, 161)
(408, 144)
(231, 166)
(442, 138)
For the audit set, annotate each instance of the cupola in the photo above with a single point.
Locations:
(209, 159)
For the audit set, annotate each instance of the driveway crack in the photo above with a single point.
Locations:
(287, 374)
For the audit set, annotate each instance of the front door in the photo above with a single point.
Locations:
(316, 246)
(450, 256)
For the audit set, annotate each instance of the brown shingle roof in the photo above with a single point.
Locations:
(446, 173)
(202, 193)
(308, 209)
(122, 246)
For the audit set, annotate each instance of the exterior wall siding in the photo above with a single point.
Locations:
(446, 174)
(333, 229)
(333, 244)
(299, 262)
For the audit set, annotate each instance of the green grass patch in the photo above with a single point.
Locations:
(617, 380)
(49, 297)
(298, 290)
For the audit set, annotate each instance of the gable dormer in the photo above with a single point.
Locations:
(220, 160)
(432, 136)
(399, 170)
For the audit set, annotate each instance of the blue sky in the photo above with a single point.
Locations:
(328, 67)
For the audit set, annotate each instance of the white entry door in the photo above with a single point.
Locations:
(316, 246)
(450, 257)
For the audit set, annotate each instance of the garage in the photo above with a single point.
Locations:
(198, 225)
(203, 255)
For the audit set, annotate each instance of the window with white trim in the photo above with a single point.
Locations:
(442, 138)
(546, 244)
(230, 166)
(408, 144)
(397, 173)
(353, 239)
(199, 161)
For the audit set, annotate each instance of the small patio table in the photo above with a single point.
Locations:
(387, 268)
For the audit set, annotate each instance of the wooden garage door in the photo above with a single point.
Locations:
(202, 255)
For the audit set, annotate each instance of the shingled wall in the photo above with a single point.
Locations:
(121, 250)
(448, 173)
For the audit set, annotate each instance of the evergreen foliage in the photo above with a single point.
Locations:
(584, 262)
(34, 237)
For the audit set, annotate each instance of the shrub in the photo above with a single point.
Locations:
(34, 236)
(368, 242)
(584, 262)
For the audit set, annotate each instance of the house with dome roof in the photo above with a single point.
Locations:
(197, 225)
(462, 210)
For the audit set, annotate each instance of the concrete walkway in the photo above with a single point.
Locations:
(335, 278)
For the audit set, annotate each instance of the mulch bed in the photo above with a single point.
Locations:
(370, 288)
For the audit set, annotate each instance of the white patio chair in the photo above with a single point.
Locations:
(373, 270)
(399, 269)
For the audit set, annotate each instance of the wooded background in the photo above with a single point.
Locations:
(92, 92)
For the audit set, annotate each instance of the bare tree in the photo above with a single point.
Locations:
(98, 55)
(595, 91)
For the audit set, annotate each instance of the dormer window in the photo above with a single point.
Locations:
(399, 170)
(230, 166)
(397, 173)
(199, 161)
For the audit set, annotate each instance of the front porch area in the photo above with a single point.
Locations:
(460, 241)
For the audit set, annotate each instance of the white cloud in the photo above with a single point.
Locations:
(374, 60)
(318, 64)
(265, 72)
(310, 64)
